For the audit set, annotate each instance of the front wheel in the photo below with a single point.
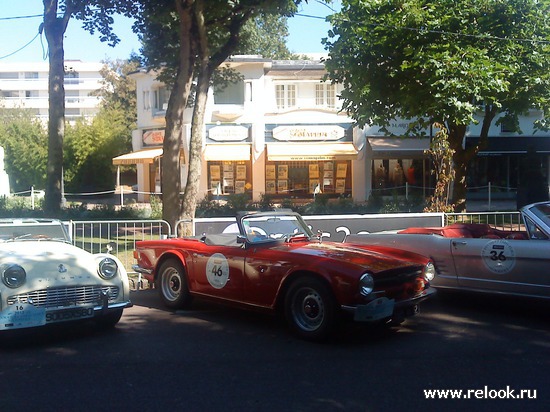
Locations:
(172, 285)
(310, 309)
(109, 320)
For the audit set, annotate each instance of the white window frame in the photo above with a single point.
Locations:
(285, 95)
(325, 95)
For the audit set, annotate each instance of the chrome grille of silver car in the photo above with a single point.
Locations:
(66, 296)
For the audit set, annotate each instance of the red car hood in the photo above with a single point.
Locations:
(378, 259)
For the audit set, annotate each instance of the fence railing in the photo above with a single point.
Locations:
(117, 237)
(500, 220)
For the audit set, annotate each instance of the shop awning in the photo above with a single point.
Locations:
(145, 156)
(277, 152)
(398, 147)
(227, 152)
(510, 145)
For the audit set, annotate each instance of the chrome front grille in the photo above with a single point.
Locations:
(66, 296)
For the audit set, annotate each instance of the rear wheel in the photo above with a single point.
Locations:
(172, 285)
(310, 309)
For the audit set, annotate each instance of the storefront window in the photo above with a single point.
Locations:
(397, 176)
(227, 178)
(308, 178)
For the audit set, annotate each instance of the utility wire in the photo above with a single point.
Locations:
(40, 28)
(424, 30)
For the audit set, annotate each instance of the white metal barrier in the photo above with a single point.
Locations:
(117, 237)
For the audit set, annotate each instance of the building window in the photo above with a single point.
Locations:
(325, 95)
(308, 178)
(146, 100)
(71, 113)
(227, 178)
(72, 96)
(233, 93)
(9, 75)
(72, 77)
(401, 176)
(285, 95)
(9, 94)
(31, 75)
(160, 97)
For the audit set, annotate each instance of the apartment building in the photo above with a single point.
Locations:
(280, 131)
(25, 85)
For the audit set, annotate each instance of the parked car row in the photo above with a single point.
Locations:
(271, 262)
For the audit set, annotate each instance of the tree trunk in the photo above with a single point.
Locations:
(173, 137)
(195, 150)
(54, 28)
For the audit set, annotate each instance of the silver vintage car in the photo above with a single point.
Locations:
(479, 257)
(47, 280)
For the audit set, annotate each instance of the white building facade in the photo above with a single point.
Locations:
(280, 132)
(25, 85)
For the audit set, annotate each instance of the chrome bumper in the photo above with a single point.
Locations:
(384, 308)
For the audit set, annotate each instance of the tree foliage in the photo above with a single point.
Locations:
(454, 62)
(90, 148)
(95, 16)
(265, 35)
(25, 144)
(201, 35)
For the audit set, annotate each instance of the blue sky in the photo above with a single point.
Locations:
(306, 31)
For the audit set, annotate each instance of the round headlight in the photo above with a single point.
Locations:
(13, 275)
(366, 284)
(429, 271)
(107, 268)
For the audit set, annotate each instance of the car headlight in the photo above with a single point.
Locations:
(13, 275)
(366, 284)
(107, 268)
(429, 271)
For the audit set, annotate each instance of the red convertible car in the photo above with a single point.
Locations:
(272, 261)
(481, 258)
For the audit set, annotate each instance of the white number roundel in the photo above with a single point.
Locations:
(498, 256)
(217, 270)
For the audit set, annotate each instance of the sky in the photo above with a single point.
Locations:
(22, 43)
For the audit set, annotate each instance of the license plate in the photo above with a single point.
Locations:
(22, 315)
(63, 315)
(380, 308)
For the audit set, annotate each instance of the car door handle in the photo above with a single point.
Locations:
(459, 242)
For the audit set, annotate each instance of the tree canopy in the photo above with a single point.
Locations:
(189, 40)
(454, 62)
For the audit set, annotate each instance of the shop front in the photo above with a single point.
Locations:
(227, 154)
(507, 165)
(399, 166)
(306, 160)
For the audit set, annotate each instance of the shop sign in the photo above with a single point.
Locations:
(153, 137)
(308, 133)
(228, 133)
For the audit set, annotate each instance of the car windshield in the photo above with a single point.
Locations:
(542, 211)
(277, 226)
(31, 229)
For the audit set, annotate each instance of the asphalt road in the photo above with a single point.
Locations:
(216, 359)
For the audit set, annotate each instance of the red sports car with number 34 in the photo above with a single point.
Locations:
(272, 261)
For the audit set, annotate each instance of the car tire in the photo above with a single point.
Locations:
(110, 319)
(172, 285)
(310, 309)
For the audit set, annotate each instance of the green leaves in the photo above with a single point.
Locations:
(439, 59)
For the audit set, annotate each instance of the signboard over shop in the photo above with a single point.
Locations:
(153, 137)
(228, 133)
(308, 133)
